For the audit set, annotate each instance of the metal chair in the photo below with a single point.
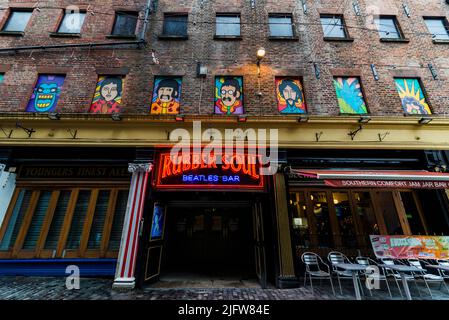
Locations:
(313, 269)
(380, 276)
(334, 258)
(425, 275)
(396, 275)
(445, 263)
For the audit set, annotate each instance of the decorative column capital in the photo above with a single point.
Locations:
(140, 167)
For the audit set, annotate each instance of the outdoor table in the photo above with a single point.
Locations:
(402, 269)
(353, 268)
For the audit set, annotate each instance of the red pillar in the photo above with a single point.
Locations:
(124, 274)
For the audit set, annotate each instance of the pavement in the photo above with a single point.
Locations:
(33, 288)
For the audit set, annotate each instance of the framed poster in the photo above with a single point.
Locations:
(158, 223)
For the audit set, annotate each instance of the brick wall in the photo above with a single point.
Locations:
(230, 57)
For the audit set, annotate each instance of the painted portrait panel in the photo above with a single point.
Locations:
(166, 95)
(290, 96)
(108, 95)
(412, 96)
(350, 95)
(157, 225)
(228, 95)
(46, 93)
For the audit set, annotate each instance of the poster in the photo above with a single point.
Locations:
(157, 225)
(406, 247)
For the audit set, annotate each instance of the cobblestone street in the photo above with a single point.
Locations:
(25, 288)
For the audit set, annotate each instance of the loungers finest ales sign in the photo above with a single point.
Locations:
(406, 247)
(200, 171)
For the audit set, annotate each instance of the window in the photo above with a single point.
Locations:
(290, 95)
(281, 26)
(388, 27)
(349, 95)
(333, 26)
(438, 27)
(63, 223)
(228, 25)
(72, 23)
(17, 21)
(175, 25)
(46, 93)
(125, 24)
(412, 96)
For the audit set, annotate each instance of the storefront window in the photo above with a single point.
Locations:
(388, 208)
(96, 231)
(365, 212)
(58, 219)
(40, 212)
(412, 214)
(117, 223)
(76, 229)
(321, 213)
(345, 219)
(299, 219)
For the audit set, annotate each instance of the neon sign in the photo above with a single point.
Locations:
(239, 172)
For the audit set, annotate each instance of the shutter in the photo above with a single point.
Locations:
(119, 217)
(79, 215)
(58, 219)
(96, 230)
(15, 222)
(35, 227)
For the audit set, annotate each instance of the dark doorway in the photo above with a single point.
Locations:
(209, 240)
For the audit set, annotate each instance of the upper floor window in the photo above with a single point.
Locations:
(228, 25)
(72, 22)
(412, 96)
(281, 25)
(334, 26)
(350, 95)
(125, 24)
(388, 27)
(17, 21)
(438, 27)
(175, 25)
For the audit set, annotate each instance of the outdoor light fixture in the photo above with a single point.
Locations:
(116, 116)
(242, 118)
(179, 118)
(54, 116)
(303, 119)
(425, 120)
(364, 119)
(261, 54)
(201, 70)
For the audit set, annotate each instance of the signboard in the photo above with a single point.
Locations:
(237, 172)
(409, 184)
(73, 172)
(406, 247)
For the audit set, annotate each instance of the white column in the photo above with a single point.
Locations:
(124, 274)
(7, 186)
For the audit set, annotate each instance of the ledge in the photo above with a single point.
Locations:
(440, 41)
(172, 37)
(394, 40)
(122, 36)
(232, 38)
(64, 35)
(293, 38)
(12, 33)
(333, 39)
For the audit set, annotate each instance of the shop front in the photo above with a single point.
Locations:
(339, 208)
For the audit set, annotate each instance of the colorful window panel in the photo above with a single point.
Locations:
(412, 96)
(350, 96)
(290, 96)
(228, 95)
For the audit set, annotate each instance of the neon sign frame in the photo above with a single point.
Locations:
(259, 184)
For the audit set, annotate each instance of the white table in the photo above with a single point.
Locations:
(354, 269)
(403, 269)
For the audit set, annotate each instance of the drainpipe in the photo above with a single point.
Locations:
(145, 21)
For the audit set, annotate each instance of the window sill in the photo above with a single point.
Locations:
(172, 37)
(218, 37)
(12, 33)
(440, 41)
(394, 40)
(64, 35)
(274, 38)
(122, 36)
(338, 39)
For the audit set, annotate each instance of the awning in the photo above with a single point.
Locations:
(419, 179)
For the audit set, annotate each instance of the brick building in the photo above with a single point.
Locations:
(92, 89)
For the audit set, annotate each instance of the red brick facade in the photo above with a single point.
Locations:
(229, 57)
